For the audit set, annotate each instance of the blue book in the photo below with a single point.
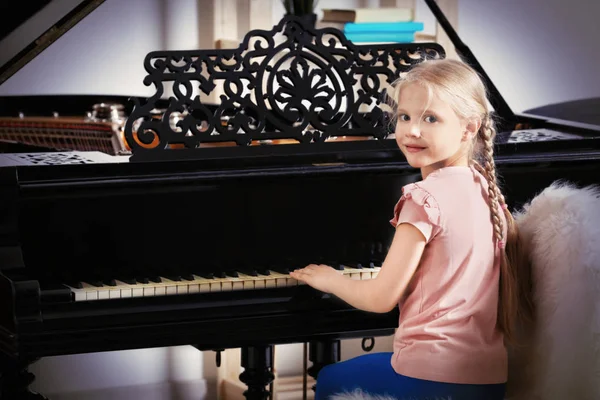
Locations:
(356, 27)
(400, 37)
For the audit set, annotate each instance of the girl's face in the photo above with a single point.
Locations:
(431, 138)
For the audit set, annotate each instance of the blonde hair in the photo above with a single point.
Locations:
(461, 86)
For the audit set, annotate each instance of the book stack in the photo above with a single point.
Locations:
(374, 25)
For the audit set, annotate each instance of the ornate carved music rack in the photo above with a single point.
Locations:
(294, 83)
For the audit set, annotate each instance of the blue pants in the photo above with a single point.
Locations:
(373, 374)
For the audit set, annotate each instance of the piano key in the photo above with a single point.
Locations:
(127, 280)
(204, 284)
(169, 285)
(91, 291)
(283, 280)
(250, 279)
(78, 293)
(124, 289)
(74, 284)
(187, 277)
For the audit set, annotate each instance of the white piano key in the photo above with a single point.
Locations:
(124, 288)
(91, 291)
(78, 294)
(375, 272)
(132, 290)
(249, 281)
(215, 286)
(203, 284)
(236, 283)
(169, 285)
(280, 279)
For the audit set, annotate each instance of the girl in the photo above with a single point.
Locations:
(455, 266)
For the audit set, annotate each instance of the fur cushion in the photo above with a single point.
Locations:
(561, 359)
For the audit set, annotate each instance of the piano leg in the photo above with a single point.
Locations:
(257, 372)
(322, 353)
(15, 380)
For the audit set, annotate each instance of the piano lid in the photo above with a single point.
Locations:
(29, 27)
(537, 61)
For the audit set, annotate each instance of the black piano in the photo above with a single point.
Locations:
(180, 226)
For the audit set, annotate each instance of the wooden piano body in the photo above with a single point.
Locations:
(189, 241)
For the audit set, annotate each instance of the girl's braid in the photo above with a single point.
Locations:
(488, 170)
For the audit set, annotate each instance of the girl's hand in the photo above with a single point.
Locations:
(321, 277)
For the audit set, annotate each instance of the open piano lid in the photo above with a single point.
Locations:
(28, 28)
(68, 13)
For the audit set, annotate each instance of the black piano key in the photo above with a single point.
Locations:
(353, 264)
(142, 279)
(155, 279)
(128, 280)
(109, 282)
(94, 282)
(205, 275)
(188, 277)
(249, 272)
(263, 272)
(281, 269)
(232, 274)
(220, 274)
(336, 265)
(176, 278)
(75, 285)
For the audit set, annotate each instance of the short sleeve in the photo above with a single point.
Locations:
(418, 208)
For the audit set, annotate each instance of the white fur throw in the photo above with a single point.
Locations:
(561, 359)
(561, 226)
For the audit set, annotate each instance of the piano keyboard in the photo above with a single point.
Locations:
(166, 287)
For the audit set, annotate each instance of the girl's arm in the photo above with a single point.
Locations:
(381, 294)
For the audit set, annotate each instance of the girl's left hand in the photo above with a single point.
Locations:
(321, 277)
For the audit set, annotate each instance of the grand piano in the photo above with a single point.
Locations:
(167, 220)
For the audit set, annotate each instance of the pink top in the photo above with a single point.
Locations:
(447, 330)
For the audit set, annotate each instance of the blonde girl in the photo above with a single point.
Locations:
(455, 267)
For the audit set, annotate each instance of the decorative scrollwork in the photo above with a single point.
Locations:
(292, 83)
